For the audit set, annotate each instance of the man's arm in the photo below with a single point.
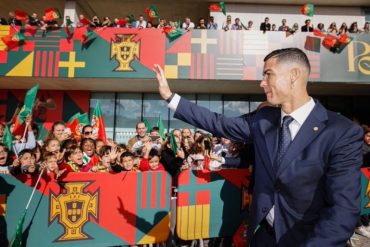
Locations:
(236, 129)
(343, 186)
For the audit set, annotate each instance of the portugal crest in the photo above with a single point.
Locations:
(125, 51)
(73, 208)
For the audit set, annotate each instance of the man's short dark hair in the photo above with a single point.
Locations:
(290, 55)
(126, 154)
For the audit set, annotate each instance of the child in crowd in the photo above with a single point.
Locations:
(107, 156)
(5, 160)
(150, 160)
(51, 165)
(126, 163)
(74, 160)
(88, 148)
(25, 164)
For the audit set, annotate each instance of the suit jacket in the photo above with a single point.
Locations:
(315, 189)
(265, 27)
(305, 29)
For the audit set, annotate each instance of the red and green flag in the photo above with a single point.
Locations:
(14, 40)
(97, 122)
(172, 33)
(76, 123)
(87, 37)
(21, 15)
(8, 138)
(308, 9)
(160, 126)
(123, 22)
(329, 41)
(52, 14)
(84, 21)
(29, 101)
(345, 39)
(318, 33)
(217, 7)
(152, 13)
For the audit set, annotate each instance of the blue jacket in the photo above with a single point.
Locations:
(316, 188)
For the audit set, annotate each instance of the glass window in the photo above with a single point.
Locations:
(212, 102)
(107, 107)
(153, 106)
(236, 105)
(129, 106)
(255, 101)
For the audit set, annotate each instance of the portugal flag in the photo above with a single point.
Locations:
(76, 123)
(217, 7)
(51, 14)
(307, 9)
(12, 41)
(29, 101)
(97, 122)
(152, 13)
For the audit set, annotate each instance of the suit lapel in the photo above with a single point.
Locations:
(269, 127)
(311, 128)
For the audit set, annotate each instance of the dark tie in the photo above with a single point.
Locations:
(284, 138)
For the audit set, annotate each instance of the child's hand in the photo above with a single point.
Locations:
(94, 169)
(113, 154)
(180, 153)
(16, 163)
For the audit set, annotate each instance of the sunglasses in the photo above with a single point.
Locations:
(88, 132)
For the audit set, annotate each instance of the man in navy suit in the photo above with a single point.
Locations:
(307, 172)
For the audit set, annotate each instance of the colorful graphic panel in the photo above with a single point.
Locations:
(89, 209)
(197, 54)
(211, 204)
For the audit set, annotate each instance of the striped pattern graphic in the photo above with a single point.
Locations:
(47, 41)
(153, 190)
(255, 43)
(315, 65)
(46, 63)
(202, 66)
(230, 42)
(229, 67)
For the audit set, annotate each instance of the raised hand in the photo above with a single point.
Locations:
(164, 89)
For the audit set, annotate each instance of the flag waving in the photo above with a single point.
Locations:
(29, 101)
(8, 138)
(152, 13)
(52, 14)
(160, 126)
(76, 123)
(218, 7)
(307, 9)
(97, 122)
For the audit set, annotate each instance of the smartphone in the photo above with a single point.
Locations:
(154, 138)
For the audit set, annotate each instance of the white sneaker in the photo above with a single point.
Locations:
(362, 231)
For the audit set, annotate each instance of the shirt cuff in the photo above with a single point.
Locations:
(174, 102)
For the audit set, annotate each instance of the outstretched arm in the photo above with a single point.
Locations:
(164, 89)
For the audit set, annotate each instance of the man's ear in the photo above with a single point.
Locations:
(295, 73)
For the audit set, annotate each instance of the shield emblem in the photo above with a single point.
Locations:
(74, 210)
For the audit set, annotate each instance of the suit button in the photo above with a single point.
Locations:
(264, 210)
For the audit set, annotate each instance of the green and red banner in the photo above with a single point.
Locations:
(89, 209)
(97, 121)
(196, 55)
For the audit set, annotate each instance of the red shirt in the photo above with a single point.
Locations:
(144, 166)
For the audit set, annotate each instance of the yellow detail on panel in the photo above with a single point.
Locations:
(155, 235)
(170, 71)
(193, 222)
(23, 68)
(184, 59)
(4, 31)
